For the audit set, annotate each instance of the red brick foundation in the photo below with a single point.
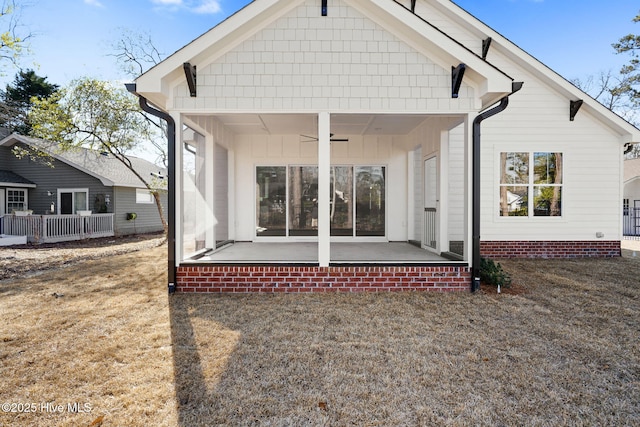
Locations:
(550, 249)
(239, 279)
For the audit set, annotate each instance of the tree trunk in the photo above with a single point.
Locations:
(156, 197)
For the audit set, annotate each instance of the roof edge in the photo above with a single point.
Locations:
(528, 61)
(13, 138)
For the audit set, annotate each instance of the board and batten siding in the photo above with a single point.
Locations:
(221, 193)
(223, 141)
(61, 176)
(304, 62)
(147, 220)
(456, 185)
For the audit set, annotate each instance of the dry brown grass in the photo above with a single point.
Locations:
(105, 342)
(564, 352)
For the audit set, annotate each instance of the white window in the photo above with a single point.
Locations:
(72, 200)
(16, 199)
(144, 196)
(530, 184)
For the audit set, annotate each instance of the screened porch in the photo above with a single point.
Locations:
(352, 189)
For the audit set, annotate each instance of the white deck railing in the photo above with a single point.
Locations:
(429, 227)
(631, 222)
(58, 228)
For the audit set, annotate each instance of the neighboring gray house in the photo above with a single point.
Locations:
(80, 180)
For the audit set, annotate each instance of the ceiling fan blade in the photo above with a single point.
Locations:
(315, 139)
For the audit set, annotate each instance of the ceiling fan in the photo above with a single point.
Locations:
(315, 138)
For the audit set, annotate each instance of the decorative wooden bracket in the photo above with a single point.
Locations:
(574, 107)
(457, 73)
(324, 7)
(486, 44)
(190, 73)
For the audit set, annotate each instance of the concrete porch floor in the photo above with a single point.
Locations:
(307, 252)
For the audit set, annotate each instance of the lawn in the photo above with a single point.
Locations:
(102, 336)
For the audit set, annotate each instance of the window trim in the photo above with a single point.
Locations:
(26, 199)
(145, 192)
(73, 199)
(530, 185)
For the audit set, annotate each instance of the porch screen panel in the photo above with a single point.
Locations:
(370, 200)
(341, 201)
(189, 201)
(303, 201)
(271, 200)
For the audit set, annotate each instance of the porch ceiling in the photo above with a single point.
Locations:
(307, 124)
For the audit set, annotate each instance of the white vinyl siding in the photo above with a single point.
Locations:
(537, 120)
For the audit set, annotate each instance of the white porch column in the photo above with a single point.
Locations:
(179, 167)
(324, 186)
(468, 190)
(443, 193)
(411, 202)
(210, 172)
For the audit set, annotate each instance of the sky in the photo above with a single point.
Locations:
(74, 38)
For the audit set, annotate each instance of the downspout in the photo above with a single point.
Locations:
(504, 102)
(171, 196)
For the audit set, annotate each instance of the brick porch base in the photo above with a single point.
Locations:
(241, 279)
(550, 249)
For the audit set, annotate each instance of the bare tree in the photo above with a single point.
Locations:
(14, 38)
(135, 53)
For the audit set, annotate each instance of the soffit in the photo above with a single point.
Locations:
(307, 124)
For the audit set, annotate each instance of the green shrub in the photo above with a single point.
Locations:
(492, 273)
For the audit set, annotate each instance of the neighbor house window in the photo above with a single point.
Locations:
(70, 201)
(16, 200)
(144, 196)
(530, 184)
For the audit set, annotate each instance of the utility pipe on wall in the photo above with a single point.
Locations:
(171, 196)
(504, 102)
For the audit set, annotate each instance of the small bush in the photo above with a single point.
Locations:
(492, 273)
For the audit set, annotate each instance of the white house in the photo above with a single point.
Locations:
(631, 197)
(375, 145)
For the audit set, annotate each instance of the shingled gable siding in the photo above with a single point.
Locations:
(304, 61)
(550, 249)
(290, 279)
